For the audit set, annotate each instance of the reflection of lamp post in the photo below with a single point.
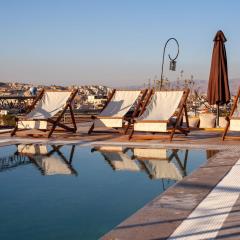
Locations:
(173, 62)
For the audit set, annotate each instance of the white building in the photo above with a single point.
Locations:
(97, 101)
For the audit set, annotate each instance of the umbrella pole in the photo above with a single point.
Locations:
(217, 120)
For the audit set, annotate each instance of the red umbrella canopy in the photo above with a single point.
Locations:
(218, 86)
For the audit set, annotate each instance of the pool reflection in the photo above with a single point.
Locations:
(112, 184)
(118, 158)
(47, 158)
(157, 163)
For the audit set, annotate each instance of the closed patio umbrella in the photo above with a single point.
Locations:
(218, 86)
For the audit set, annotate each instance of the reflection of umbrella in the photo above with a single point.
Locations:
(211, 153)
(218, 86)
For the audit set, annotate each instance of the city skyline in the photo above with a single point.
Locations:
(112, 43)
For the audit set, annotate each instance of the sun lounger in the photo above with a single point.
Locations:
(160, 112)
(117, 158)
(118, 105)
(233, 120)
(48, 108)
(44, 159)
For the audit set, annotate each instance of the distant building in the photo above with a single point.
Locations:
(97, 101)
(3, 112)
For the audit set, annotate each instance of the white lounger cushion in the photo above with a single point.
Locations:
(162, 169)
(108, 122)
(161, 107)
(236, 113)
(49, 105)
(234, 125)
(32, 124)
(150, 127)
(119, 105)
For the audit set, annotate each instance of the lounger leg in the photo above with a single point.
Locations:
(126, 130)
(182, 130)
(15, 129)
(130, 135)
(73, 118)
(172, 133)
(186, 117)
(225, 130)
(51, 131)
(91, 129)
(120, 130)
(60, 125)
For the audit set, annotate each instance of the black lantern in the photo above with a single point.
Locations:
(173, 62)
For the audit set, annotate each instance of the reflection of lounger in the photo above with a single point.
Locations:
(160, 111)
(117, 106)
(146, 153)
(160, 169)
(32, 149)
(117, 158)
(159, 163)
(53, 165)
(45, 161)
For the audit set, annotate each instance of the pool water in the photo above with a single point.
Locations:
(74, 192)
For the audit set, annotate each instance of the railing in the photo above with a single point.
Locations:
(13, 161)
(19, 103)
(17, 106)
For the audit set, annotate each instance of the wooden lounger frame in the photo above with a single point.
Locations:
(235, 103)
(54, 122)
(177, 125)
(135, 113)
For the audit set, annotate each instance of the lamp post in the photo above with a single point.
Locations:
(173, 62)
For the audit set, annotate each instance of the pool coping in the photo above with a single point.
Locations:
(171, 145)
(159, 218)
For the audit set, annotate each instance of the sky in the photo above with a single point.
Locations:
(113, 43)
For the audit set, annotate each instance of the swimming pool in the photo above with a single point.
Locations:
(74, 192)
